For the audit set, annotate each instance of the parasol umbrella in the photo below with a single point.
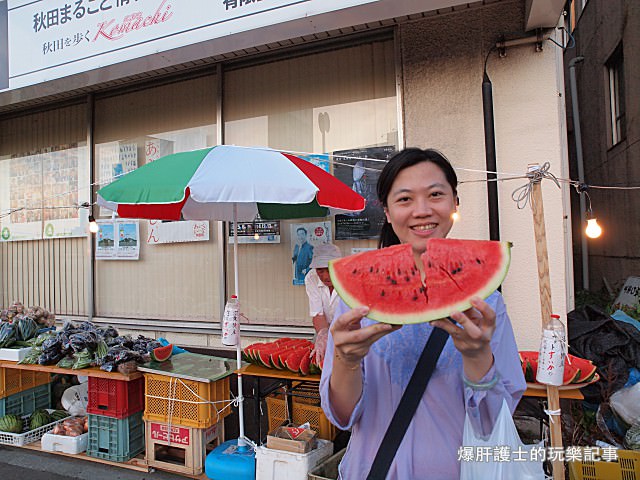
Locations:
(229, 183)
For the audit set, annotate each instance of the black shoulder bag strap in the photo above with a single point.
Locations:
(408, 404)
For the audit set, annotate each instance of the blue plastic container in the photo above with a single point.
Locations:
(27, 401)
(226, 462)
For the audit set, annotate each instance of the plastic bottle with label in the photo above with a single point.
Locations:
(230, 325)
(552, 353)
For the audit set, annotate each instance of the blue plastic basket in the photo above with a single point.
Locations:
(115, 439)
(27, 401)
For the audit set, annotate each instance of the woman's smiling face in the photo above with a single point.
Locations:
(420, 204)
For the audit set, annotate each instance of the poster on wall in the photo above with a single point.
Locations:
(40, 192)
(114, 160)
(362, 176)
(304, 237)
(161, 231)
(260, 231)
(319, 160)
(118, 240)
(154, 148)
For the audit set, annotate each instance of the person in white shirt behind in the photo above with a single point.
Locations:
(322, 296)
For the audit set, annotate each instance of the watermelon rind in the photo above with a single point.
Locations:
(427, 314)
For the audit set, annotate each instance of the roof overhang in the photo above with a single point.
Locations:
(542, 13)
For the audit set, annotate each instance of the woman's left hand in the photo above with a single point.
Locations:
(474, 330)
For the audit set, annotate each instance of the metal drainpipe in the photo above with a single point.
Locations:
(580, 164)
(490, 158)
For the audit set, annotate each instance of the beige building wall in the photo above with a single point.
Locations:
(442, 62)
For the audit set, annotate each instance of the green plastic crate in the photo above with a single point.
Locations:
(27, 401)
(115, 439)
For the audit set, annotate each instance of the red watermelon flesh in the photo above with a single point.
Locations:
(273, 359)
(263, 355)
(303, 369)
(586, 368)
(294, 359)
(388, 281)
(529, 362)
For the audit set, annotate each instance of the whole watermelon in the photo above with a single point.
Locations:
(39, 418)
(11, 424)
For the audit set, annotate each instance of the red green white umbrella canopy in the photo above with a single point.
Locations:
(209, 184)
(229, 183)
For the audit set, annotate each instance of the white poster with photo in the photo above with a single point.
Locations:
(118, 240)
(105, 240)
(304, 237)
(128, 240)
(177, 232)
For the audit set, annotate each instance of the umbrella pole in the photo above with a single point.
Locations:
(242, 444)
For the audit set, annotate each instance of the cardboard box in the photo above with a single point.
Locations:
(292, 439)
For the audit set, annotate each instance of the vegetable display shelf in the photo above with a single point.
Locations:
(137, 463)
(88, 372)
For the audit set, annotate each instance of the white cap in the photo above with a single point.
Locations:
(323, 253)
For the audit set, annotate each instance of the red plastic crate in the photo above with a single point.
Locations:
(115, 398)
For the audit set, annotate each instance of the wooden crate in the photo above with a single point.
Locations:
(180, 449)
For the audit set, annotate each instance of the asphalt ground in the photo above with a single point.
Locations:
(21, 464)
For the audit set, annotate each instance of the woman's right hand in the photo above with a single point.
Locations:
(351, 341)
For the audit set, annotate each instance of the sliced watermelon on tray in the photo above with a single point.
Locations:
(576, 370)
(388, 281)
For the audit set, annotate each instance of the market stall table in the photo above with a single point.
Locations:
(278, 379)
(136, 463)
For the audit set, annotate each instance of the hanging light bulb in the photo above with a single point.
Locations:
(593, 230)
(93, 225)
(256, 236)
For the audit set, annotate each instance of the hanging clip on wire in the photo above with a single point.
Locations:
(522, 195)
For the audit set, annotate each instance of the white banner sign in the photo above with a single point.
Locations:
(177, 232)
(49, 39)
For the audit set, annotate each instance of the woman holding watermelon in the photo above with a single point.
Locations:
(368, 365)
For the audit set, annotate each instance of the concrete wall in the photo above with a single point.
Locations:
(600, 28)
(442, 62)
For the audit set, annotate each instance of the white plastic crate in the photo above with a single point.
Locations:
(14, 354)
(278, 464)
(64, 443)
(28, 436)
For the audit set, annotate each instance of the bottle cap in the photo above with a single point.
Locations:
(555, 316)
(235, 296)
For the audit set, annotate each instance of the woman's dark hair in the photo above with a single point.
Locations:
(404, 159)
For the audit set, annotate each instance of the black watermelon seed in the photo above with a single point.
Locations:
(393, 282)
(478, 261)
(382, 293)
(370, 269)
(414, 298)
(407, 278)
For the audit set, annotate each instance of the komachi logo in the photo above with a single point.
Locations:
(111, 30)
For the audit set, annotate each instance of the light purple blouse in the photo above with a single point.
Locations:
(429, 449)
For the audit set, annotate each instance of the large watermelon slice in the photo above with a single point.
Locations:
(388, 281)
(576, 369)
